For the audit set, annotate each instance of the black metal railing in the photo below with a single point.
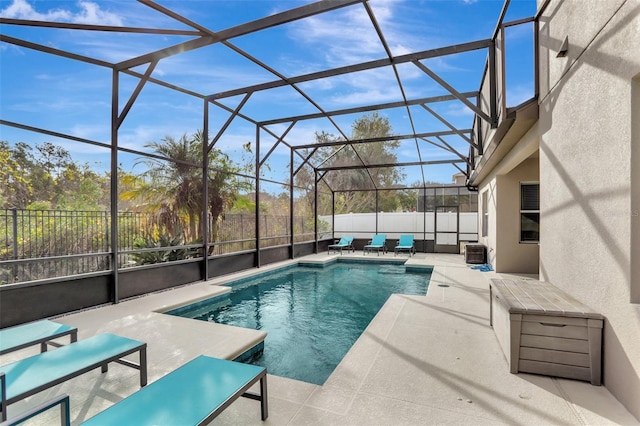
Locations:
(43, 244)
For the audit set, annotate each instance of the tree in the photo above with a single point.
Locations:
(15, 191)
(47, 177)
(49, 164)
(357, 186)
(82, 189)
(172, 187)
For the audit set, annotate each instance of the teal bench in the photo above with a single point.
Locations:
(29, 376)
(39, 332)
(193, 394)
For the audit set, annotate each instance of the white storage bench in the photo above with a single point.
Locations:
(543, 330)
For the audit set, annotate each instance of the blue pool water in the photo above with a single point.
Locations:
(312, 315)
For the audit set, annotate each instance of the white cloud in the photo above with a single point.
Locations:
(111, 50)
(87, 13)
(345, 36)
(96, 132)
(374, 95)
(516, 94)
(137, 137)
(459, 109)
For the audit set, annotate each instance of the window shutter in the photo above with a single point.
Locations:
(530, 196)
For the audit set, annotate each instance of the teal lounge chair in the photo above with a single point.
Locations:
(377, 243)
(405, 243)
(39, 332)
(29, 376)
(193, 394)
(345, 242)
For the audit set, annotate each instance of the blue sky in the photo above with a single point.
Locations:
(74, 98)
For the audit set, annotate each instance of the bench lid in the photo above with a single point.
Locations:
(540, 298)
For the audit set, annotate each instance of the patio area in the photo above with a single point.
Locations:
(430, 359)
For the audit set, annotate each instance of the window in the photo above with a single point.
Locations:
(485, 213)
(529, 212)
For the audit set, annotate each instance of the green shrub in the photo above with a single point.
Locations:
(160, 240)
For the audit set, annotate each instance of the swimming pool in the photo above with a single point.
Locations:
(312, 315)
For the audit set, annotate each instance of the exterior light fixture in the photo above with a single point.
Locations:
(564, 48)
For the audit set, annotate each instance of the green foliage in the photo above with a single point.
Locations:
(243, 204)
(16, 192)
(47, 174)
(160, 240)
(39, 205)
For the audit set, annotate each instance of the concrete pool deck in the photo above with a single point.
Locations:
(430, 359)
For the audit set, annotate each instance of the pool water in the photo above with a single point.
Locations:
(312, 315)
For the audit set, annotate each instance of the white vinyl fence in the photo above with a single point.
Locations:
(421, 225)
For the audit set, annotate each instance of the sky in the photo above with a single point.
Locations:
(71, 97)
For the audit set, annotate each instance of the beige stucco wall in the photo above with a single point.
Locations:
(520, 164)
(489, 241)
(515, 256)
(635, 189)
(586, 172)
(505, 252)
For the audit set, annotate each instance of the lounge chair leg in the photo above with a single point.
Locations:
(3, 396)
(264, 405)
(143, 367)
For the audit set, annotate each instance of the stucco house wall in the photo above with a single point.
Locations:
(514, 255)
(589, 174)
(488, 194)
(504, 250)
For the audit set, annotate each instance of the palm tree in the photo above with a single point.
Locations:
(171, 186)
